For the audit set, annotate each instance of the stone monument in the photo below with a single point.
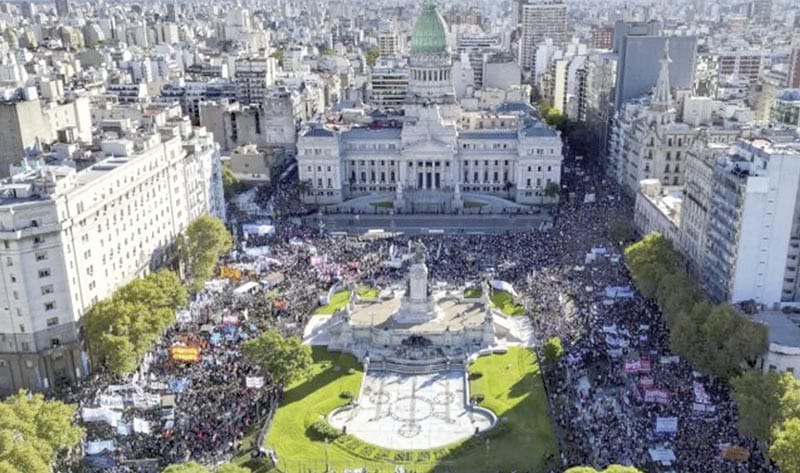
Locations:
(417, 305)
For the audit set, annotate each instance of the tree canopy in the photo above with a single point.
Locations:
(552, 351)
(372, 55)
(716, 339)
(33, 431)
(284, 358)
(122, 328)
(204, 241)
(785, 449)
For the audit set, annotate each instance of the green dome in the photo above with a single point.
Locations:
(430, 33)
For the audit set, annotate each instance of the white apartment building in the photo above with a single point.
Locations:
(540, 19)
(388, 83)
(71, 237)
(754, 224)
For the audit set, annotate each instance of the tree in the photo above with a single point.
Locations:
(285, 359)
(33, 431)
(372, 56)
(554, 117)
(552, 351)
(121, 329)
(551, 190)
(230, 185)
(278, 55)
(620, 230)
(731, 341)
(785, 450)
(758, 400)
(204, 241)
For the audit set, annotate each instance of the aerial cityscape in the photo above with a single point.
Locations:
(400, 236)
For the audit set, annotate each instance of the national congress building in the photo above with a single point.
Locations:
(432, 154)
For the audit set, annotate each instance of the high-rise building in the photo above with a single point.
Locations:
(743, 64)
(253, 76)
(638, 66)
(761, 11)
(72, 237)
(793, 81)
(477, 47)
(753, 228)
(602, 37)
(540, 19)
(62, 8)
(388, 43)
(388, 83)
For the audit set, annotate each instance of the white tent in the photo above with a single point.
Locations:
(504, 286)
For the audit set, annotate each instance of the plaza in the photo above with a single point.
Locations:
(413, 412)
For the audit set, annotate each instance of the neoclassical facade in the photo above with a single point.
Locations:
(434, 153)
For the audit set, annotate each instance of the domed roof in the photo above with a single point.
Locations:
(429, 35)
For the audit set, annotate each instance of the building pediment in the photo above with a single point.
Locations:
(428, 146)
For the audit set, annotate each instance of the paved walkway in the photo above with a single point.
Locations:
(411, 412)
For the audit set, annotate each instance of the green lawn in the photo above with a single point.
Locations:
(368, 292)
(339, 300)
(510, 383)
(505, 302)
(473, 205)
(512, 387)
(473, 292)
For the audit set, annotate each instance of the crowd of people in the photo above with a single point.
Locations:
(617, 396)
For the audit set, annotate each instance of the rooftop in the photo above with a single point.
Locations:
(783, 329)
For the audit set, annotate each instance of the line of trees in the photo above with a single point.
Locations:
(122, 328)
(769, 411)
(34, 432)
(715, 338)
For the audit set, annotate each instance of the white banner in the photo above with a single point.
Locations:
(255, 382)
(112, 401)
(146, 400)
(101, 414)
(667, 425)
(141, 426)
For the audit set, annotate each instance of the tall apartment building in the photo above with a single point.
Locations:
(388, 83)
(71, 237)
(761, 11)
(602, 37)
(253, 77)
(62, 8)
(793, 81)
(477, 47)
(754, 224)
(540, 19)
(745, 64)
(388, 43)
(700, 161)
(638, 67)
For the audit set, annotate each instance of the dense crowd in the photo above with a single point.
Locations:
(608, 394)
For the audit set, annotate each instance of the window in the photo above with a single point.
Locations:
(21, 328)
(43, 273)
(52, 321)
(38, 239)
(48, 289)
(13, 278)
(41, 256)
(9, 262)
(49, 305)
